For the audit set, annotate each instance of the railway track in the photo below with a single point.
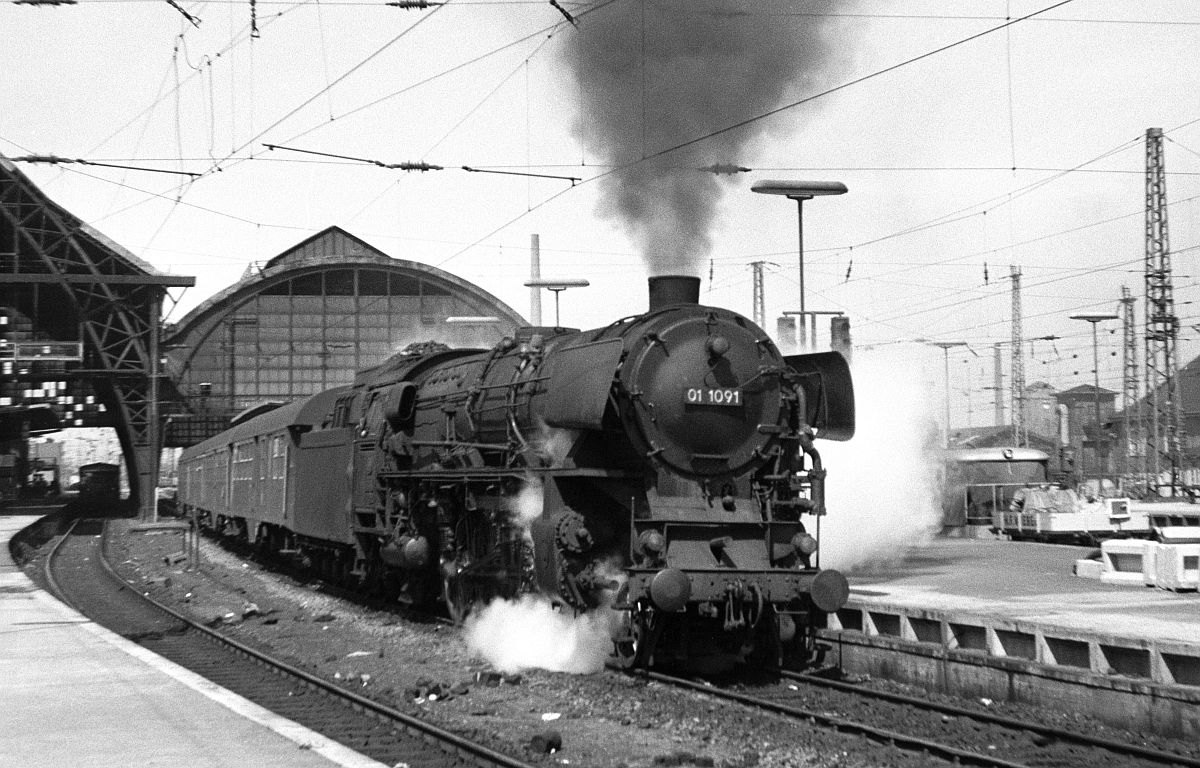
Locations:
(955, 734)
(950, 733)
(1037, 736)
(78, 573)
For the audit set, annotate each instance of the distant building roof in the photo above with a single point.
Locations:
(996, 436)
(335, 247)
(1087, 390)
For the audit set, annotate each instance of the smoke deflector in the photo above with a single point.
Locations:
(828, 393)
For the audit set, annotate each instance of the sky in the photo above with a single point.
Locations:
(967, 146)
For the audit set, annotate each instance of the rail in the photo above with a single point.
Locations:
(453, 744)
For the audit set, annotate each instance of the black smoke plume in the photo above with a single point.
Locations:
(653, 75)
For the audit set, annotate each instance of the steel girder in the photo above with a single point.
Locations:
(118, 319)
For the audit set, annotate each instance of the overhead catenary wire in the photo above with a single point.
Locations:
(229, 158)
(770, 113)
(856, 275)
(662, 152)
(56, 160)
(420, 165)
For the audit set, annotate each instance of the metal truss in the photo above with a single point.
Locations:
(1165, 430)
(116, 298)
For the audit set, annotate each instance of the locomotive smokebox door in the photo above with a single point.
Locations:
(697, 393)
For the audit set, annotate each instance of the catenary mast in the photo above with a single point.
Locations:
(1018, 362)
(760, 301)
(1134, 467)
(1165, 429)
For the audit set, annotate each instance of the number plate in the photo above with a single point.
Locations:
(712, 396)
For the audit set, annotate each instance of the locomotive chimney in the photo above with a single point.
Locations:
(668, 290)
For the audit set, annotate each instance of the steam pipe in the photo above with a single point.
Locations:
(816, 479)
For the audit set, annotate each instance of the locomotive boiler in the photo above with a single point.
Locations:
(662, 467)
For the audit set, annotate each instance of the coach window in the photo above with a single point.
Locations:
(278, 458)
(243, 461)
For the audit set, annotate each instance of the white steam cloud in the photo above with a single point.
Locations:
(531, 634)
(528, 504)
(654, 76)
(883, 494)
(554, 443)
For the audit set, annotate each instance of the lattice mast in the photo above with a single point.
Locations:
(1018, 361)
(1162, 327)
(998, 381)
(760, 301)
(1134, 465)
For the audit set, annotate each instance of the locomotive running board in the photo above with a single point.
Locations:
(828, 392)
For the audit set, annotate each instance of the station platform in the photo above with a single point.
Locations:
(1027, 583)
(78, 694)
(1010, 621)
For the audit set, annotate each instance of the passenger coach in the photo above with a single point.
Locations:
(271, 474)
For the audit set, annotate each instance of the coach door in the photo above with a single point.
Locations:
(279, 473)
(263, 446)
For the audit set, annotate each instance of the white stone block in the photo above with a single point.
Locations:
(1123, 555)
(1124, 562)
(1149, 558)
(1180, 534)
(1178, 567)
(1123, 578)
(1089, 569)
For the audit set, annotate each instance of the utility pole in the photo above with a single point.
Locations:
(760, 304)
(1162, 326)
(1099, 444)
(1018, 361)
(946, 347)
(148, 465)
(535, 273)
(1134, 465)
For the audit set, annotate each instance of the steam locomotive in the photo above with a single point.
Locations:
(663, 467)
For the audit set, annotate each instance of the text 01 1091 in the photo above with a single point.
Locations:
(712, 396)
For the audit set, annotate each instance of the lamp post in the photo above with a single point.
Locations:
(945, 347)
(800, 191)
(1094, 318)
(558, 286)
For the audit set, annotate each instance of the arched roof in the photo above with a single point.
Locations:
(335, 247)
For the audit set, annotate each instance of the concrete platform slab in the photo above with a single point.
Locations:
(1026, 582)
(1010, 621)
(76, 694)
